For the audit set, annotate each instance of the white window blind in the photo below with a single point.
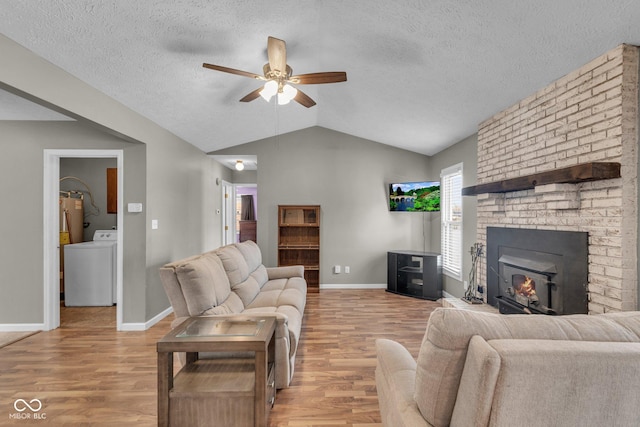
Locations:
(451, 214)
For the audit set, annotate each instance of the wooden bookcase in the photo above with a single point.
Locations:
(299, 240)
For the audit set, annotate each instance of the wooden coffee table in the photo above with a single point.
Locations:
(236, 388)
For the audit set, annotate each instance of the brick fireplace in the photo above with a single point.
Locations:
(589, 115)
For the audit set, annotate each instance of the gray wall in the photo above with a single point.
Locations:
(21, 229)
(174, 180)
(348, 177)
(245, 177)
(183, 196)
(465, 152)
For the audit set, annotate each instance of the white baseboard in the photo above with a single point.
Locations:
(446, 294)
(29, 327)
(21, 327)
(148, 324)
(353, 286)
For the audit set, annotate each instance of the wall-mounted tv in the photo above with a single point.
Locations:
(421, 196)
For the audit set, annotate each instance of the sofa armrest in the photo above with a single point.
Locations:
(395, 383)
(393, 357)
(285, 272)
(282, 324)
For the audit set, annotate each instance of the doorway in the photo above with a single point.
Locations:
(51, 228)
(240, 205)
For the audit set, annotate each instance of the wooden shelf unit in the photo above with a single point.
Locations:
(299, 240)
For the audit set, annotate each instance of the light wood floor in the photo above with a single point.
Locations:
(86, 373)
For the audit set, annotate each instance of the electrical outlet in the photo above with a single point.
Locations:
(347, 269)
(336, 269)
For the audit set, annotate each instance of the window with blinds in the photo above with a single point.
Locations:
(451, 214)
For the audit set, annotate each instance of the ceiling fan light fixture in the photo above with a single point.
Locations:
(270, 88)
(239, 165)
(277, 73)
(288, 93)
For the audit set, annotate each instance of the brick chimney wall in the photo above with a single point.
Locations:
(589, 115)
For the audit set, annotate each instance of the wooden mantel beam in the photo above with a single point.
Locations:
(570, 175)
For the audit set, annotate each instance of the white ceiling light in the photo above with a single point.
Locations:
(270, 88)
(239, 164)
(287, 94)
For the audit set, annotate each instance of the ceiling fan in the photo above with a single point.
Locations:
(278, 77)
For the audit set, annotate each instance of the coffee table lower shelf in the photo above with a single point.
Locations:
(218, 390)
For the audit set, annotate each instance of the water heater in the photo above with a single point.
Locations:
(72, 215)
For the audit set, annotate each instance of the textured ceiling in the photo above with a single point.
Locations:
(421, 74)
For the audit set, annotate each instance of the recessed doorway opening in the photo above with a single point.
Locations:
(51, 227)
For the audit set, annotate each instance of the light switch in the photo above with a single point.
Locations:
(154, 224)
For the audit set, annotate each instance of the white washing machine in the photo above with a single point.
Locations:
(90, 271)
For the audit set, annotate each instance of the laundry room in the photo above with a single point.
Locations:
(88, 235)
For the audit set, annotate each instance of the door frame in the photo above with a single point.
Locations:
(229, 194)
(228, 213)
(51, 226)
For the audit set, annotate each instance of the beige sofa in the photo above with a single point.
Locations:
(232, 280)
(485, 369)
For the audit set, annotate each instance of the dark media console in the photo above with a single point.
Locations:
(416, 274)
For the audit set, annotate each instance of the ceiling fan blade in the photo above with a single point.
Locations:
(233, 71)
(252, 95)
(319, 78)
(304, 99)
(277, 53)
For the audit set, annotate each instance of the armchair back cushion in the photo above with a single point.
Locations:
(442, 355)
(569, 381)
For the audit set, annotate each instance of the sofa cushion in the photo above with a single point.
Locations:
(237, 269)
(234, 264)
(291, 291)
(204, 283)
(232, 305)
(260, 275)
(444, 348)
(251, 253)
(276, 293)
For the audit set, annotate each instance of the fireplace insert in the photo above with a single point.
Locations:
(537, 271)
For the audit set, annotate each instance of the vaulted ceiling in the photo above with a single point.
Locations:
(421, 74)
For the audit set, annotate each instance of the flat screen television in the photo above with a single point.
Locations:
(423, 196)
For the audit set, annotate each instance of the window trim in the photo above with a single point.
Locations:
(456, 169)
